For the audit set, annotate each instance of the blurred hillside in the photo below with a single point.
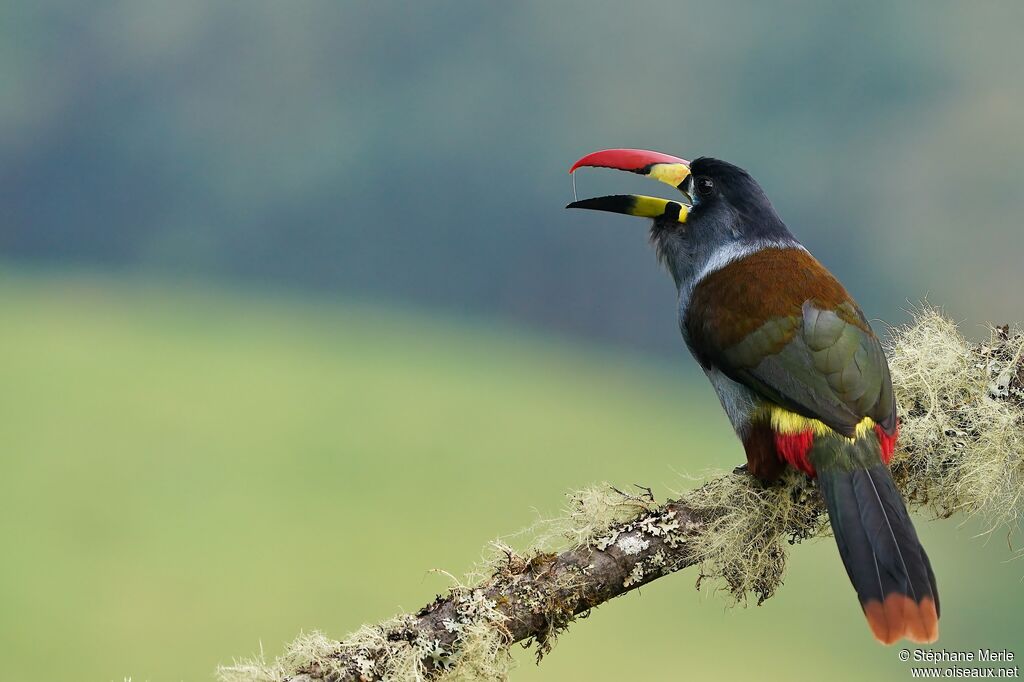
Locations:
(416, 152)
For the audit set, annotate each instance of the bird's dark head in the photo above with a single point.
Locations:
(723, 208)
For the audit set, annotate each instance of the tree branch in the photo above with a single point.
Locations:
(962, 450)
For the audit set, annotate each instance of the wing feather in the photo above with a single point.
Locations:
(810, 348)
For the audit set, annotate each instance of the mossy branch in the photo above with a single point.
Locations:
(962, 450)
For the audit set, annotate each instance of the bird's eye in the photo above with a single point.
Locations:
(705, 187)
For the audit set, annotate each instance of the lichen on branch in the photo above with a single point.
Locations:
(961, 451)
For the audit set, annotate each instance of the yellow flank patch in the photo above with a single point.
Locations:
(655, 207)
(790, 423)
(669, 173)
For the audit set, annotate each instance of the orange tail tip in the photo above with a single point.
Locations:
(899, 617)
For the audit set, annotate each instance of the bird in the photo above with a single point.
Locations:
(796, 366)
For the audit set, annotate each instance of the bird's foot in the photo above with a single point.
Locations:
(766, 482)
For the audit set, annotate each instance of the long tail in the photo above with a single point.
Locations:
(878, 543)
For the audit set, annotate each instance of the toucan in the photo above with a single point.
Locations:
(795, 364)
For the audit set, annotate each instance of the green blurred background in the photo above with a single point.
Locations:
(291, 313)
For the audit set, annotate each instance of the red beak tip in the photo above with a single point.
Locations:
(632, 160)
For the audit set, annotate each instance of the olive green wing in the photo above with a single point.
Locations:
(822, 363)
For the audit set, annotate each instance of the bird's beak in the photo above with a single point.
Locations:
(668, 169)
